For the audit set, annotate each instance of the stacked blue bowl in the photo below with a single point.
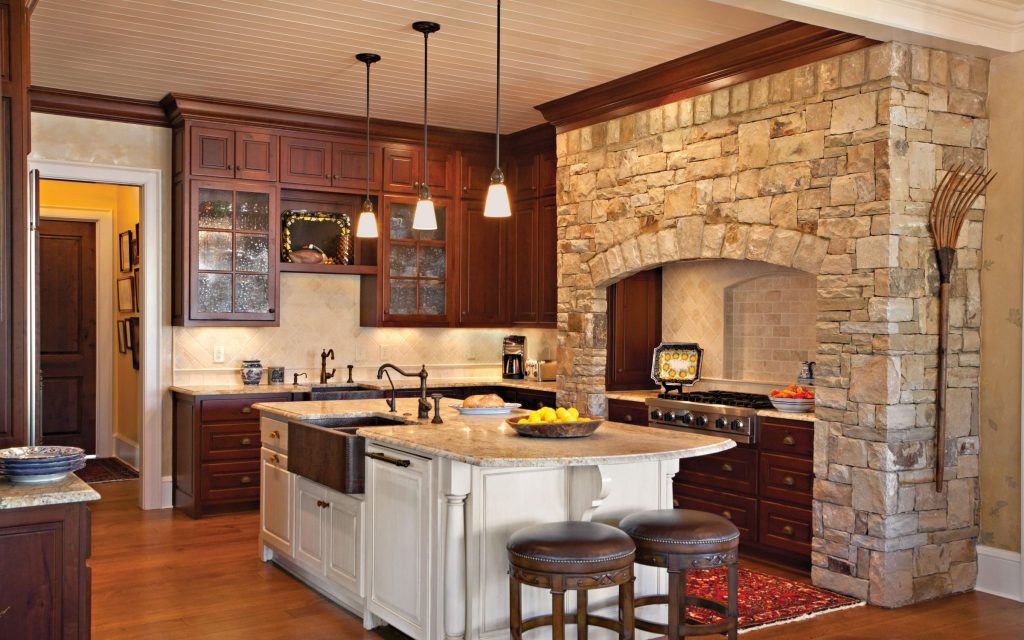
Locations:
(31, 465)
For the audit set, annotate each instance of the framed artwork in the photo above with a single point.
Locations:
(135, 246)
(133, 337)
(126, 295)
(122, 337)
(124, 246)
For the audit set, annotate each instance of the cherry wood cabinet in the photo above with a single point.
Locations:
(483, 266)
(475, 175)
(326, 162)
(627, 411)
(306, 161)
(219, 152)
(634, 330)
(403, 170)
(533, 271)
(46, 589)
(349, 166)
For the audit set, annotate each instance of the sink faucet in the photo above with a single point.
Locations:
(424, 404)
(324, 376)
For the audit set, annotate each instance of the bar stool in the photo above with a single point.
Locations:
(574, 556)
(680, 540)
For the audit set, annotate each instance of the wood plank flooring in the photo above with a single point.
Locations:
(161, 575)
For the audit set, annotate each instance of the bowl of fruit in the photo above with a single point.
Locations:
(793, 399)
(555, 423)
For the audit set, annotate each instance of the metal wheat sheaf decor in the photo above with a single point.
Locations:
(957, 191)
(321, 237)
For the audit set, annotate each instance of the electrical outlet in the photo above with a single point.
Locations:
(218, 354)
(385, 352)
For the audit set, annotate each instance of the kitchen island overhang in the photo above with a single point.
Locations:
(442, 500)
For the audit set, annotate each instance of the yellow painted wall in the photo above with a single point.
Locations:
(1001, 310)
(123, 203)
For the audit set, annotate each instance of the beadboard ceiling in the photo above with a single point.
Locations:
(300, 53)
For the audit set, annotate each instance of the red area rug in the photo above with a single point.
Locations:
(764, 599)
(99, 470)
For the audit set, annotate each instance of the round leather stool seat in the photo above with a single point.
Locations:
(571, 547)
(681, 531)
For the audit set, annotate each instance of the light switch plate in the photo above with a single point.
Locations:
(218, 354)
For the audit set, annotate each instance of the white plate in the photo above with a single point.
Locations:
(486, 411)
(51, 477)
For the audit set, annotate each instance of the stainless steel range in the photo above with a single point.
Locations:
(725, 413)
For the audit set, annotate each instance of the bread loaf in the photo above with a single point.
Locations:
(483, 400)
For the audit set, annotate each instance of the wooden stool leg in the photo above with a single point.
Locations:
(558, 615)
(674, 605)
(515, 611)
(626, 610)
(581, 615)
(733, 609)
(682, 601)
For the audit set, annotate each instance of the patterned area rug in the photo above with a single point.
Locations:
(764, 599)
(99, 470)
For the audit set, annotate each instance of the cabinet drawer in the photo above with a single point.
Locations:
(229, 442)
(230, 481)
(787, 478)
(735, 470)
(236, 409)
(797, 441)
(274, 434)
(628, 412)
(739, 510)
(784, 527)
(535, 399)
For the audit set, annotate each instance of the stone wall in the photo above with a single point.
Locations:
(829, 169)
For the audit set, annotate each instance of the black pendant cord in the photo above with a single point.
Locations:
(426, 36)
(369, 161)
(497, 100)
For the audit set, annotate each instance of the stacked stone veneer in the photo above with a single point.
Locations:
(828, 168)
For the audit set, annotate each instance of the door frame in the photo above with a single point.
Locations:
(155, 333)
(103, 219)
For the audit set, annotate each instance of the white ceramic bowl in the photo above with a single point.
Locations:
(793, 405)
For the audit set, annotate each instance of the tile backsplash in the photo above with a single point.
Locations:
(322, 312)
(754, 320)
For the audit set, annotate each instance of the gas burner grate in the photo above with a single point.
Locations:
(726, 398)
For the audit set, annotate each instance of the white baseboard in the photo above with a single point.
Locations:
(167, 492)
(127, 451)
(999, 573)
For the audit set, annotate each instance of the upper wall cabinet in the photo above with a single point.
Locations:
(534, 175)
(233, 153)
(403, 170)
(326, 162)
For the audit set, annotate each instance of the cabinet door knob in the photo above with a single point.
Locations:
(246, 441)
(322, 504)
(628, 417)
(238, 167)
(246, 480)
(275, 434)
(465, 189)
(327, 176)
(275, 459)
(726, 467)
(727, 514)
(788, 481)
(788, 530)
(247, 408)
(789, 441)
(271, 310)
(335, 177)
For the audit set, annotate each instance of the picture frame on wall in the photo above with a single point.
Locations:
(126, 299)
(122, 337)
(133, 337)
(124, 251)
(135, 246)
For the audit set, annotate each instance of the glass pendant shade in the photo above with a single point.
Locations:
(424, 218)
(497, 204)
(367, 225)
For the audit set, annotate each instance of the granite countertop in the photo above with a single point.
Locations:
(485, 441)
(373, 385)
(772, 413)
(633, 396)
(71, 489)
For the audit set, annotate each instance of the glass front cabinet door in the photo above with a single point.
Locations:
(234, 252)
(417, 265)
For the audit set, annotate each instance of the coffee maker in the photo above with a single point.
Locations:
(513, 357)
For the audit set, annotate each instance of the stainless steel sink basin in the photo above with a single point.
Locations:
(355, 422)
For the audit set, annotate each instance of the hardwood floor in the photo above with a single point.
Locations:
(161, 575)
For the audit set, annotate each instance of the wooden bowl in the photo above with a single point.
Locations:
(578, 429)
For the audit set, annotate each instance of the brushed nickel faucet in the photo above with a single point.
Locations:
(324, 376)
(423, 403)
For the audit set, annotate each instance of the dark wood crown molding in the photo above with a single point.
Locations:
(785, 46)
(91, 105)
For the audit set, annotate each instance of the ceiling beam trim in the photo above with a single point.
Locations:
(91, 105)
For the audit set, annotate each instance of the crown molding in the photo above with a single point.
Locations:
(784, 46)
(91, 105)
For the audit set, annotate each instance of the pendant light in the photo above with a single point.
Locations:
(425, 219)
(367, 225)
(497, 204)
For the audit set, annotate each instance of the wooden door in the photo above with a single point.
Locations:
(483, 264)
(349, 166)
(634, 329)
(547, 173)
(547, 262)
(418, 266)
(67, 342)
(255, 156)
(440, 173)
(523, 252)
(310, 518)
(402, 169)
(306, 161)
(345, 542)
(213, 152)
(525, 179)
(475, 175)
(276, 492)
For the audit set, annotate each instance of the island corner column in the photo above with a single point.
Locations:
(456, 489)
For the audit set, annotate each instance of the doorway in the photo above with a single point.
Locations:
(67, 333)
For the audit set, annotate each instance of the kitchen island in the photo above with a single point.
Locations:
(424, 548)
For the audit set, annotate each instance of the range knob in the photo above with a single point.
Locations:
(736, 425)
(720, 423)
(686, 418)
(700, 421)
(655, 414)
(670, 416)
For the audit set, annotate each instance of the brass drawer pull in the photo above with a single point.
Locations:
(789, 441)
(322, 504)
(275, 459)
(628, 417)
(727, 514)
(788, 530)
(246, 441)
(726, 467)
(246, 480)
(788, 481)
(247, 408)
(275, 435)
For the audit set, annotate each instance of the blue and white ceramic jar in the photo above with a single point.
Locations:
(252, 372)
